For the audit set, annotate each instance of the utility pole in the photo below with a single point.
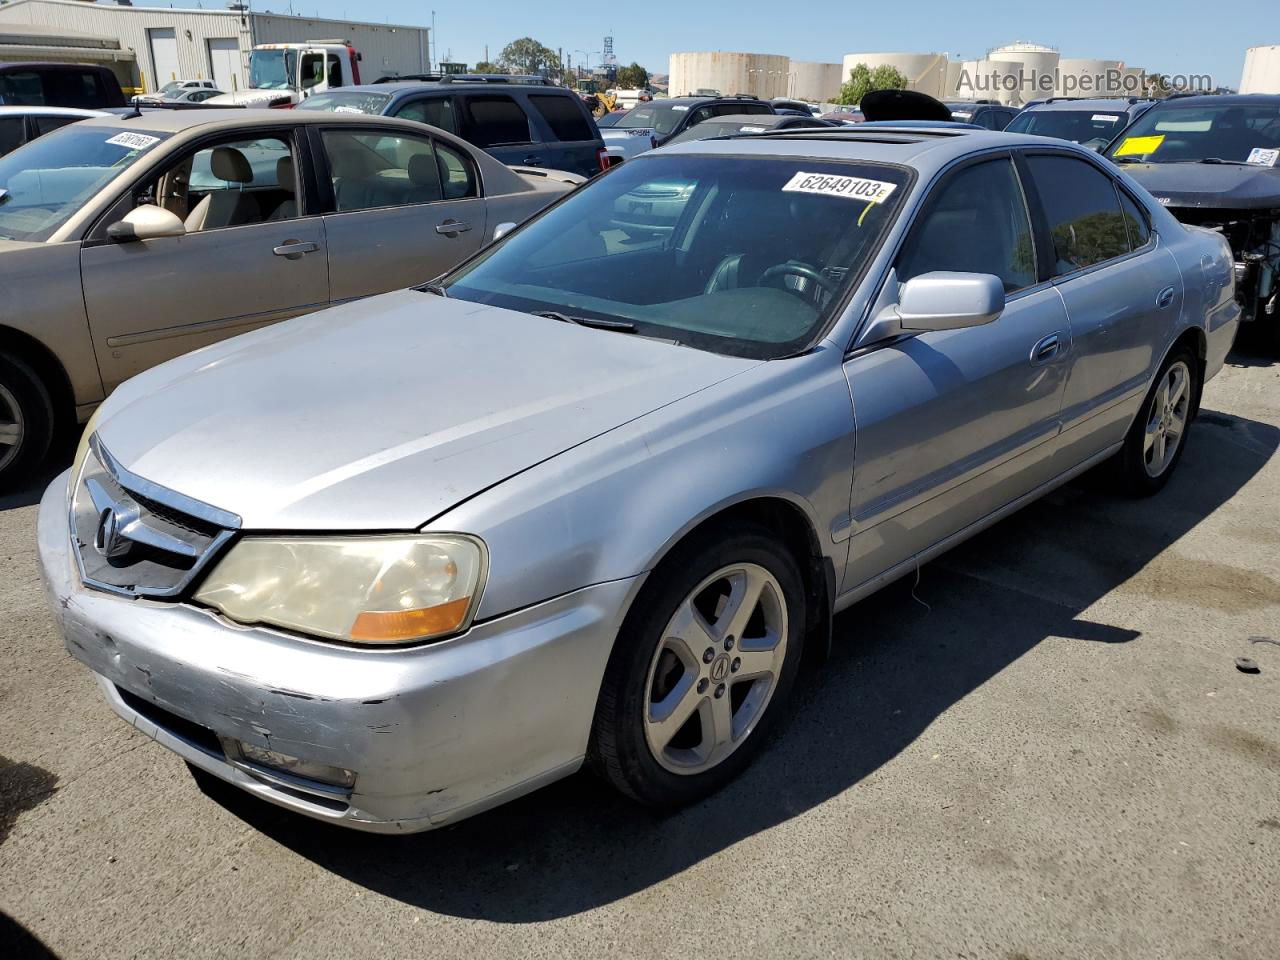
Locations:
(435, 44)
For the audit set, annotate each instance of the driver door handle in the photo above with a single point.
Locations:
(1046, 349)
(451, 228)
(294, 249)
(1164, 297)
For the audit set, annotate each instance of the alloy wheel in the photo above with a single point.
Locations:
(715, 669)
(12, 426)
(1167, 419)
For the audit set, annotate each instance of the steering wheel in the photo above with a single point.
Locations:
(796, 269)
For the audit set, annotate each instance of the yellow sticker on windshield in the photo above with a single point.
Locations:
(1139, 146)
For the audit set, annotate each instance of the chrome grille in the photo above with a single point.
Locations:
(136, 538)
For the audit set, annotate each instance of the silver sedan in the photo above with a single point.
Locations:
(589, 499)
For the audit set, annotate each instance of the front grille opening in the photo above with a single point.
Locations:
(183, 521)
(200, 737)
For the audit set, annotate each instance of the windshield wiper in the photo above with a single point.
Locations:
(1234, 163)
(620, 326)
(436, 288)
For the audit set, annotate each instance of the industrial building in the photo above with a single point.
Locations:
(1013, 74)
(1261, 70)
(149, 46)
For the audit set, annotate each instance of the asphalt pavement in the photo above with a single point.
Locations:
(1042, 749)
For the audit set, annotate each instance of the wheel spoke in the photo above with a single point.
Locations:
(688, 627)
(672, 712)
(717, 720)
(1157, 450)
(10, 433)
(754, 662)
(1148, 442)
(1177, 385)
(744, 597)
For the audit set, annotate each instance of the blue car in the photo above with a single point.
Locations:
(523, 122)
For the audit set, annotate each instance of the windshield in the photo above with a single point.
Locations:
(718, 128)
(755, 252)
(661, 117)
(1096, 127)
(44, 183)
(272, 69)
(347, 101)
(1181, 134)
(170, 87)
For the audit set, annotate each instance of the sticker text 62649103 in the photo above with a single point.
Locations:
(134, 141)
(862, 189)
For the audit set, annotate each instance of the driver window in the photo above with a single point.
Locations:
(235, 183)
(334, 70)
(312, 69)
(976, 221)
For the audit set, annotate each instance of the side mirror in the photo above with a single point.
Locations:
(949, 301)
(147, 222)
(502, 229)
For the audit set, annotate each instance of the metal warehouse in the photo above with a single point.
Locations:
(164, 44)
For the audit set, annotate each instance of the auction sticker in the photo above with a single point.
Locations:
(1139, 146)
(134, 141)
(1104, 118)
(1263, 157)
(345, 109)
(854, 188)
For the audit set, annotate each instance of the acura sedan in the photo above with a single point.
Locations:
(588, 498)
(127, 241)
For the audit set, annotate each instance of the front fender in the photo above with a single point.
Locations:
(613, 507)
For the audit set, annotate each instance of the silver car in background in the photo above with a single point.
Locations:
(127, 241)
(589, 498)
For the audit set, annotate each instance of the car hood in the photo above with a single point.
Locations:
(384, 413)
(1223, 185)
(252, 96)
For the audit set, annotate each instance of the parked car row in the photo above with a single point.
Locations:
(588, 496)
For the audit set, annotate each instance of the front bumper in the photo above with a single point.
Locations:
(434, 733)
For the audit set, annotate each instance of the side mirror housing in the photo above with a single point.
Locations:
(502, 229)
(147, 222)
(949, 301)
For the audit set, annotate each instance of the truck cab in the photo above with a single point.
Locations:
(283, 74)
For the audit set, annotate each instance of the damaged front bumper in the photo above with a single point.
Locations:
(432, 734)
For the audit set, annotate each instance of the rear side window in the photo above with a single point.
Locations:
(1083, 211)
(49, 124)
(975, 222)
(1135, 221)
(436, 111)
(566, 119)
(11, 134)
(495, 121)
(21, 89)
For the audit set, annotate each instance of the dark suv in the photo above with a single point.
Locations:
(988, 114)
(666, 118)
(520, 121)
(59, 85)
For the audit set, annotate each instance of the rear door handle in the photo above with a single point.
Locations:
(451, 228)
(1046, 349)
(294, 249)
(1164, 297)
(532, 161)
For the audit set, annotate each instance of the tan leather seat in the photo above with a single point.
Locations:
(286, 209)
(229, 207)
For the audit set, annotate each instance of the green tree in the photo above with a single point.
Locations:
(486, 66)
(634, 77)
(862, 80)
(527, 55)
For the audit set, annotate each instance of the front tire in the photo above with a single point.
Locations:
(26, 421)
(1158, 437)
(702, 667)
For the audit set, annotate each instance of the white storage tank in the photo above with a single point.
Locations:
(814, 82)
(1088, 78)
(999, 80)
(1133, 81)
(1039, 69)
(926, 72)
(1261, 70)
(760, 74)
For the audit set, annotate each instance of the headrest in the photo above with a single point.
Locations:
(422, 170)
(284, 173)
(228, 163)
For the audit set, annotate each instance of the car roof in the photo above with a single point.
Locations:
(178, 121)
(1113, 104)
(689, 101)
(756, 119)
(1228, 99)
(29, 109)
(48, 65)
(925, 148)
(414, 86)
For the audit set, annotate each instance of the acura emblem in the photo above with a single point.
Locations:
(110, 541)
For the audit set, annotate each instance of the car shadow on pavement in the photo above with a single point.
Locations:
(901, 659)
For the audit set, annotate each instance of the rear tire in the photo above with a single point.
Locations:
(1158, 437)
(26, 421)
(702, 667)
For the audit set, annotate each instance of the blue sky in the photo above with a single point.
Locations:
(1178, 36)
